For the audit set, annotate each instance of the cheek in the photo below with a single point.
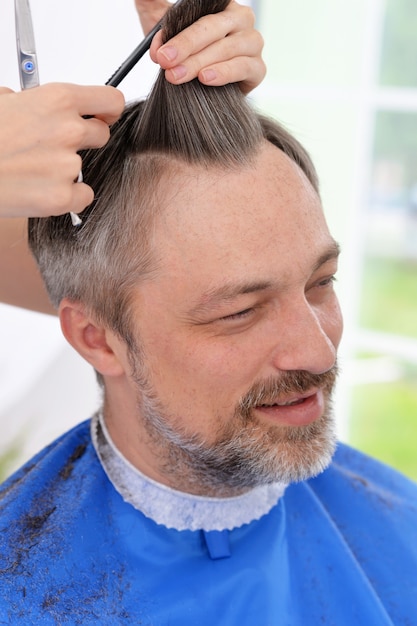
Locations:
(217, 365)
(212, 371)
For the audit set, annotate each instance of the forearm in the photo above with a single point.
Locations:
(20, 281)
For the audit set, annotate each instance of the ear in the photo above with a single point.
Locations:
(95, 343)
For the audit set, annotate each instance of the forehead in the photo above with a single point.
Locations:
(265, 212)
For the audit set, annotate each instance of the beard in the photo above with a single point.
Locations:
(245, 452)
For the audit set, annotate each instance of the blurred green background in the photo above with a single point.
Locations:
(384, 415)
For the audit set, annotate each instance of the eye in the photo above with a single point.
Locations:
(327, 281)
(239, 315)
(321, 288)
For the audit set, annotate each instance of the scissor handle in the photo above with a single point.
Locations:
(28, 70)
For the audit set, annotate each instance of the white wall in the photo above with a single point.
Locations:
(81, 41)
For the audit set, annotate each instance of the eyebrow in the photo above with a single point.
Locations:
(229, 291)
(332, 252)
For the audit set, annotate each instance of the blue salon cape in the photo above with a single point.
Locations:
(340, 549)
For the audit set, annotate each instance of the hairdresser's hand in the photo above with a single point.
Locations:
(150, 12)
(41, 130)
(218, 49)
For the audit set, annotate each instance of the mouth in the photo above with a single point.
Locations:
(289, 403)
(294, 410)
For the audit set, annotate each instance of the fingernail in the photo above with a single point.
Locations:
(169, 52)
(179, 71)
(208, 76)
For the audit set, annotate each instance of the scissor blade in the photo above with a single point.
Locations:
(26, 49)
(24, 27)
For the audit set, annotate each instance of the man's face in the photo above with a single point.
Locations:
(237, 332)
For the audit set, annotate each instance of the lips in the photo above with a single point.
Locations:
(289, 403)
(295, 410)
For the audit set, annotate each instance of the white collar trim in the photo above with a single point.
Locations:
(175, 509)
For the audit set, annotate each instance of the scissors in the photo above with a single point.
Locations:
(28, 62)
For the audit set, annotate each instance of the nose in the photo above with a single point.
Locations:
(308, 338)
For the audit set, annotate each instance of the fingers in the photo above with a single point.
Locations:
(108, 106)
(71, 199)
(64, 194)
(219, 48)
(82, 197)
(93, 133)
(4, 90)
(79, 116)
(58, 192)
(235, 58)
(248, 72)
(39, 144)
(102, 102)
(207, 31)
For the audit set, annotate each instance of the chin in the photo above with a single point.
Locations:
(255, 457)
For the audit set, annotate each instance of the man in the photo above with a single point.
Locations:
(200, 289)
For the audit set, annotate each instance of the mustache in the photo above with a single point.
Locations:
(293, 382)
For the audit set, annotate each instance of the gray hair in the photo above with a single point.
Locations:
(100, 262)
